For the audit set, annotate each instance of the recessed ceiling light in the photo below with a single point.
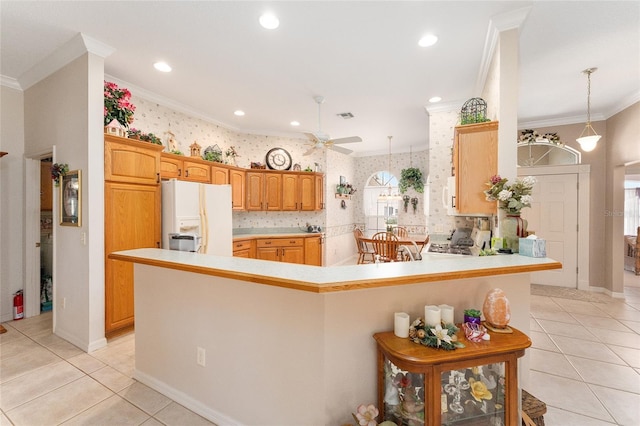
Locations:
(269, 21)
(435, 99)
(428, 40)
(162, 66)
(295, 123)
(239, 113)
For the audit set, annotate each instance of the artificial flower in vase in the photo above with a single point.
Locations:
(511, 198)
(117, 105)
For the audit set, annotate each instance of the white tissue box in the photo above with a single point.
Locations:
(532, 247)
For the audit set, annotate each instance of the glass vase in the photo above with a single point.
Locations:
(512, 228)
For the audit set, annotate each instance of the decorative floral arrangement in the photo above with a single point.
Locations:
(58, 170)
(366, 415)
(231, 152)
(150, 137)
(405, 200)
(414, 204)
(346, 189)
(117, 104)
(529, 136)
(134, 133)
(514, 197)
(436, 337)
(176, 152)
(474, 391)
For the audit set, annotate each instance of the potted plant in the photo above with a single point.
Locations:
(411, 177)
(150, 137)
(472, 315)
(117, 104)
(134, 133)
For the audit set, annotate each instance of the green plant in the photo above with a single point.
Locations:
(176, 152)
(472, 313)
(58, 170)
(474, 118)
(133, 132)
(117, 105)
(150, 137)
(411, 177)
(308, 169)
(214, 156)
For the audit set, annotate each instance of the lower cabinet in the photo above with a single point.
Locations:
(245, 248)
(313, 251)
(290, 250)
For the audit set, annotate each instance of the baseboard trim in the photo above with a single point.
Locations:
(185, 400)
(614, 294)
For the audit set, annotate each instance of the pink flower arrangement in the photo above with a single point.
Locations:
(117, 104)
(366, 415)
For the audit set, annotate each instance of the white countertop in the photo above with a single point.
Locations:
(318, 279)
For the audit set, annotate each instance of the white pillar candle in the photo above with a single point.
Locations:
(431, 315)
(401, 324)
(446, 312)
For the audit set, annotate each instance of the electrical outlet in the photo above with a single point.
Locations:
(201, 359)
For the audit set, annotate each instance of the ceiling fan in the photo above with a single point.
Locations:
(322, 140)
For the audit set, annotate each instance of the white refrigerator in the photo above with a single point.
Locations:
(199, 208)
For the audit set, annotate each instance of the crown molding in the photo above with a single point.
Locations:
(10, 82)
(444, 107)
(497, 24)
(625, 103)
(559, 121)
(77, 46)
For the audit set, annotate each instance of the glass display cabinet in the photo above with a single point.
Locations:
(475, 385)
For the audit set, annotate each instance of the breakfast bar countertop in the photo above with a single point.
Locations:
(318, 279)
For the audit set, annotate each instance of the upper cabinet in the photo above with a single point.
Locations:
(475, 161)
(130, 161)
(284, 191)
(185, 168)
(237, 181)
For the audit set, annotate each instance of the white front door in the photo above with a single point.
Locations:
(553, 216)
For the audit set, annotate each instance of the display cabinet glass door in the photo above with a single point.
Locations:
(404, 402)
(473, 396)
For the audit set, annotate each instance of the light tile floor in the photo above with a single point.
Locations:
(45, 380)
(585, 365)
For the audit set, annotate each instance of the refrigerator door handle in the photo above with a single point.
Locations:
(204, 220)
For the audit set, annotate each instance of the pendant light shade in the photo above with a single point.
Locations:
(588, 138)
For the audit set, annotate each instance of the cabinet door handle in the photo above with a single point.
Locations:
(453, 201)
(186, 173)
(179, 172)
(157, 177)
(158, 244)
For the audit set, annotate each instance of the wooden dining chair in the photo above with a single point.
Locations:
(401, 232)
(365, 253)
(385, 246)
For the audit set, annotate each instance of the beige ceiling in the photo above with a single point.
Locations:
(362, 57)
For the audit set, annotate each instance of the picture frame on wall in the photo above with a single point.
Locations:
(71, 199)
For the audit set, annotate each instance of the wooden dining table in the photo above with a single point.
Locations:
(417, 242)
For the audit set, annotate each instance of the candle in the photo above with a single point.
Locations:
(431, 315)
(401, 324)
(446, 312)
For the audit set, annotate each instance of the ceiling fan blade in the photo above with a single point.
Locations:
(313, 137)
(339, 149)
(350, 139)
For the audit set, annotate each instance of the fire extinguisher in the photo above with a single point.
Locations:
(18, 305)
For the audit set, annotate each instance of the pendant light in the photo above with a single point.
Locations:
(588, 138)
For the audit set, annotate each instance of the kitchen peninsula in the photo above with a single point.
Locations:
(244, 341)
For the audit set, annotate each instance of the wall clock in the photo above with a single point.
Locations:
(278, 159)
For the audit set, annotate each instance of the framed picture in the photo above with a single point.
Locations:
(343, 180)
(71, 199)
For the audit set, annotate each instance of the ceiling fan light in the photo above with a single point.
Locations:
(588, 143)
(162, 66)
(238, 113)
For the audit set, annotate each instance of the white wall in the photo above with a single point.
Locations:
(64, 110)
(11, 198)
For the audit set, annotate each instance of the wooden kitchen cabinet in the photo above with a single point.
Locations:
(132, 219)
(192, 169)
(219, 174)
(313, 251)
(264, 191)
(131, 161)
(319, 191)
(475, 161)
(245, 248)
(237, 180)
(298, 191)
(290, 250)
(474, 385)
(46, 186)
